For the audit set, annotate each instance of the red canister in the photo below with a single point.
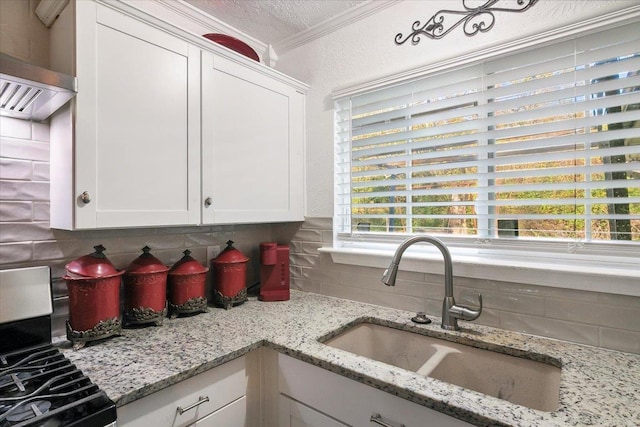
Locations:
(94, 298)
(145, 290)
(186, 283)
(230, 277)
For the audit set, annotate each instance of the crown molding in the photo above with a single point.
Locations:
(48, 10)
(330, 25)
(210, 24)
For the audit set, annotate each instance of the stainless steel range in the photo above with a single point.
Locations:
(38, 385)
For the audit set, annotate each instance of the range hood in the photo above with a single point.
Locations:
(30, 92)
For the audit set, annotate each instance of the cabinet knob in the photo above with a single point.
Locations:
(208, 202)
(85, 197)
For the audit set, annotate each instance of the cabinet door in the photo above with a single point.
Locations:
(253, 141)
(137, 134)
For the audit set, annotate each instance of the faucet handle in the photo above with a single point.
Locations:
(465, 313)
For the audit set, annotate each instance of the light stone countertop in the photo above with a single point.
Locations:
(598, 387)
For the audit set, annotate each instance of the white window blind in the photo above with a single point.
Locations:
(542, 144)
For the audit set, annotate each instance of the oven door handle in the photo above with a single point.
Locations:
(201, 400)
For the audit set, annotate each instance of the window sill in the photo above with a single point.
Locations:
(586, 275)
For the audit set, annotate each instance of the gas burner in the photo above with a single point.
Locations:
(26, 410)
(15, 384)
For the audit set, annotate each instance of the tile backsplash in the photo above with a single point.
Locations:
(599, 319)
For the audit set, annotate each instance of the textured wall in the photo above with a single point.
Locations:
(593, 318)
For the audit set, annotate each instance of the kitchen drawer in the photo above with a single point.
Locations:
(351, 402)
(222, 385)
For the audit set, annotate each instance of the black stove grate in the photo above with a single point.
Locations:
(39, 387)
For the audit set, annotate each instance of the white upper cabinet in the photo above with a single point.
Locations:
(168, 128)
(135, 158)
(252, 145)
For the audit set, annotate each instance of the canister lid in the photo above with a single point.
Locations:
(146, 263)
(95, 264)
(187, 265)
(230, 255)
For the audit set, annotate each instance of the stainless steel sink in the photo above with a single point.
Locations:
(521, 381)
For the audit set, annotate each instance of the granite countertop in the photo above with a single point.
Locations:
(598, 387)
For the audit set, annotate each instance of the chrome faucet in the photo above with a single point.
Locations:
(450, 311)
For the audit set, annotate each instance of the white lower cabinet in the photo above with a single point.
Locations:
(320, 398)
(227, 395)
(267, 389)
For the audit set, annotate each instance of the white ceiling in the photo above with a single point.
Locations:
(272, 21)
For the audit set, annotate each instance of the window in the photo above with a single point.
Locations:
(537, 146)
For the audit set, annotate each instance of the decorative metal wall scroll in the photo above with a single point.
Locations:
(474, 19)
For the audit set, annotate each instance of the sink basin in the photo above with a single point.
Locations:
(521, 381)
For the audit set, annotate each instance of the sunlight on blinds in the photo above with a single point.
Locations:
(538, 144)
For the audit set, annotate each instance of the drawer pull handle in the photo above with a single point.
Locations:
(377, 418)
(201, 400)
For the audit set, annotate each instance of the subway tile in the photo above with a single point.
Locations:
(417, 288)
(285, 232)
(24, 149)
(40, 132)
(571, 294)
(317, 223)
(295, 271)
(14, 128)
(155, 242)
(201, 239)
(295, 247)
(488, 317)
(503, 301)
(400, 302)
(51, 250)
(41, 211)
(327, 237)
(308, 235)
(499, 286)
(365, 282)
(348, 292)
(41, 171)
(620, 300)
(594, 314)
(311, 247)
(307, 285)
(25, 231)
(16, 252)
(552, 328)
(620, 340)
(16, 211)
(320, 275)
(23, 190)
(303, 260)
(16, 169)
